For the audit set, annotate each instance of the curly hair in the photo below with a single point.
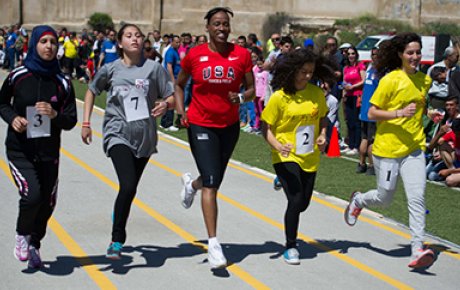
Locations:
(388, 55)
(286, 68)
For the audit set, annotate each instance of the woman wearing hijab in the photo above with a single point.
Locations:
(37, 103)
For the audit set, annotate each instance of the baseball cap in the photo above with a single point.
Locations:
(308, 42)
(345, 45)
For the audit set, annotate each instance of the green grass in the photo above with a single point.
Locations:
(337, 177)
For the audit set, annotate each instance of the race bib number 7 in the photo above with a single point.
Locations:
(305, 139)
(135, 103)
(38, 126)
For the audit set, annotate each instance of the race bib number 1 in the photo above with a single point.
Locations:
(135, 103)
(388, 174)
(38, 126)
(305, 139)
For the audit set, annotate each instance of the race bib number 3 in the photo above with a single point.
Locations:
(305, 136)
(135, 103)
(38, 126)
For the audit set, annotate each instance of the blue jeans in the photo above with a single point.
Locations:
(188, 93)
(167, 119)
(11, 57)
(353, 123)
(245, 109)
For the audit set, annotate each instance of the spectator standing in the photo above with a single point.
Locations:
(367, 126)
(70, 59)
(354, 74)
(11, 38)
(172, 66)
(108, 49)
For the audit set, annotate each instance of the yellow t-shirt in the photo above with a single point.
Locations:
(70, 49)
(296, 120)
(399, 137)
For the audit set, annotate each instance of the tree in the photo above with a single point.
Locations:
(100, 21)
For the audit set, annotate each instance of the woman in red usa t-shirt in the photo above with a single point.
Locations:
(218, 70)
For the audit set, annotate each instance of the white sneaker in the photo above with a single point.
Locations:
(352, 211)
(352, 152)
(172, 129)
(186, 194)
(21, 248)
(215, 257)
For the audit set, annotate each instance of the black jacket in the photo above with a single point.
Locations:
(21, 89)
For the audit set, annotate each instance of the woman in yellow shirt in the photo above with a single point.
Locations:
(398, 105)
(295, 122)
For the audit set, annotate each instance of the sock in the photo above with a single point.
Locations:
(189, 187)
(212, 241)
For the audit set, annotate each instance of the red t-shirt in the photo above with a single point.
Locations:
(214, 76)
(90, 67)
(451, 139)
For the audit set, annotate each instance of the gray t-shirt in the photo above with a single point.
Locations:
(131, 95)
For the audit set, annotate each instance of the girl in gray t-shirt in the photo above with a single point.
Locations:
(134, 87)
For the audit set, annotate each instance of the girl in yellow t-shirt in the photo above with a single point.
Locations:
(295, 122)
(398, 105)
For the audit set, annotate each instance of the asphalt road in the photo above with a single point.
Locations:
(166, 243)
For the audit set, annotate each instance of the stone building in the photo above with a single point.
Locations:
(187, 15)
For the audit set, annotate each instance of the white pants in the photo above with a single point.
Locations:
(413, 174)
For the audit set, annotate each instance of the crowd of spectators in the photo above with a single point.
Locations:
(81, 54)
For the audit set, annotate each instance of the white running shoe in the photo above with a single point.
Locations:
(21, 249)
(352, 211)
(172, 129)
(187, 194)
(216, 257)
(352, 152)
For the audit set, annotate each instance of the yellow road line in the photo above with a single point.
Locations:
(375, 223)
(238, 271)
(88, 265)
(307, 239)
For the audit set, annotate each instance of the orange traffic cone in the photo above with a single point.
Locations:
(334, 149)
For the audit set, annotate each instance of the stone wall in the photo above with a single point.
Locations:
(187, 15)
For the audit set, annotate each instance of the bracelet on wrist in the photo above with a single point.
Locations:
(86, 124)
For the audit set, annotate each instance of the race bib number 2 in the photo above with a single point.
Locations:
(305, 139)
(38, 126)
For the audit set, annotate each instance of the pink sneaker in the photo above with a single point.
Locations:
(422, 259)
(21, 251)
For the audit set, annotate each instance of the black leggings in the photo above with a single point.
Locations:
(298, 187)
(129, 170)
(212, 149)
(37, 182)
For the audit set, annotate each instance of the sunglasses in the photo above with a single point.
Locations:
(276, 39)
(351, 53)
